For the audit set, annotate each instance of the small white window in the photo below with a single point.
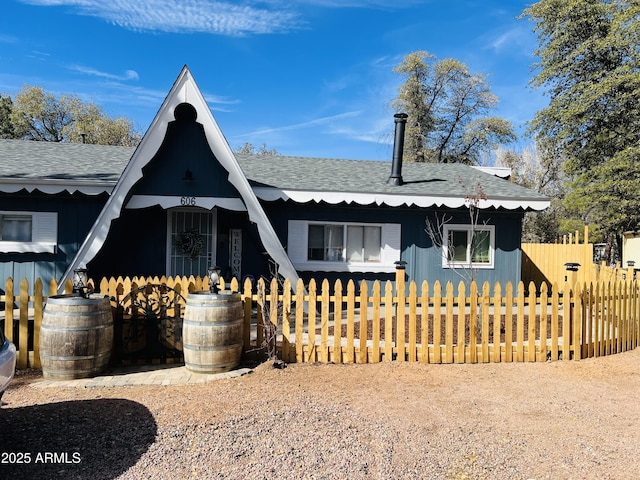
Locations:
(28, 232)
(342, 247)
(464, 246)
(15, 228)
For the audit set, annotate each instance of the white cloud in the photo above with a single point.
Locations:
(298, 126)
(8, 39)
(128, 74)
(210, 16)
(184, 16)
(518, 38)
(360, 3)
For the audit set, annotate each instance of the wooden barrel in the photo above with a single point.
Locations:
(212, 331)
(76, 337)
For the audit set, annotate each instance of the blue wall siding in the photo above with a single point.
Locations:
(185, 147)
(423, 260)
(76, 214)
(255, 261)
(136, 245)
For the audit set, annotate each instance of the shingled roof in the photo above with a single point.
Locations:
(53, 167)
(365, 181)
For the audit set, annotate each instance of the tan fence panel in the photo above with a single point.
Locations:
(546, 263)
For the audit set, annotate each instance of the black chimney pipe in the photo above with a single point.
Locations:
(398, 147)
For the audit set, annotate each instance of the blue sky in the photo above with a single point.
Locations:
(306, 77)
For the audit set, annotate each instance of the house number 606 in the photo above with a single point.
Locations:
(188, 201)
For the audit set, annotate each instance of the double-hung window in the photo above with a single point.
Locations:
(28, 232)
(468, 246)
(345, 246)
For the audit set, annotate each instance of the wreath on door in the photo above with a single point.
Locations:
(190, 243)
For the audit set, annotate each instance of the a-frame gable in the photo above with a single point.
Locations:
(184, 90)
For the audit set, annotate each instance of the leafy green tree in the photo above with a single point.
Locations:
(251, 149)
(447, 108)
(92, 125)
(589, 67)
(38, 115)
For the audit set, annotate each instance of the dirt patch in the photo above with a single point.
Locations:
(571, 419)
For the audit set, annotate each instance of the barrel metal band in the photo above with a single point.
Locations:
(72, 329)
(196, 323)
(211, 348)
(75, 357)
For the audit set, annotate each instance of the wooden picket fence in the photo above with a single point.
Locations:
(369, 323)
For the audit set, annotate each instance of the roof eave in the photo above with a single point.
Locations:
(423, 201)
(55, 185)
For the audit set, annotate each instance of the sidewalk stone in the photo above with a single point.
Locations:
(143, 375)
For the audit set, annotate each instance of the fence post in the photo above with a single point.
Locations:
(299, 321)
(37, 321)
(364, 321)
(400, 307)
(8, 309)
(248, 304)
(23, 336)
(578, 315)
(286, 319)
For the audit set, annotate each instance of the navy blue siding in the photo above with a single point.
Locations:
(423, 260)
(136, 245)
(76, 214)
(255, 261)
(185, 147)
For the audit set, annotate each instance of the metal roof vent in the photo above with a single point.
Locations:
(398, 147)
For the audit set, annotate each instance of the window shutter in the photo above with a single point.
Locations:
(391, 246)
(297, 241)
(45, 228)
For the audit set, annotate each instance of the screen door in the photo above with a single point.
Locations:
(191, 242)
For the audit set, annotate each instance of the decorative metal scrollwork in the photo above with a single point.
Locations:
(149, 322)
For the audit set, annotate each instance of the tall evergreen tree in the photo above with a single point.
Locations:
(7, 129)
(589, 66)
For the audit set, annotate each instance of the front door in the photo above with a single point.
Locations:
(191, 236)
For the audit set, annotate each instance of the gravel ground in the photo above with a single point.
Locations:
(577, 420)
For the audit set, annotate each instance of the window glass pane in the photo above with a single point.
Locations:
(354, 243)
(15, 228)
(372, 244)
(334, 243)
(457, 245)
(480, 247)
(326, 242)
(316, 242)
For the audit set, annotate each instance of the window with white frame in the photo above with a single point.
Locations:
(364, 243)
(345, 246)
(15, 227)
(326, 243)
(468, 246)
(28, 232)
